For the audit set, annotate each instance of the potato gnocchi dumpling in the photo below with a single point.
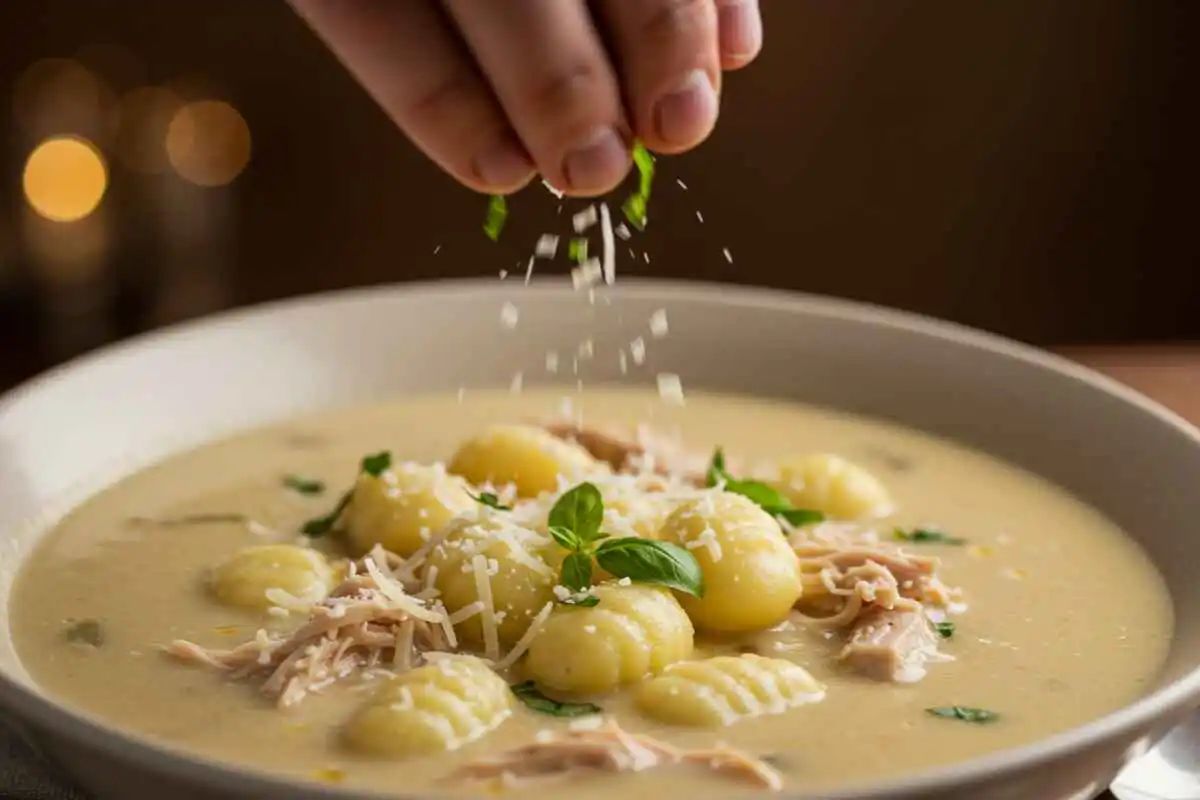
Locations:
(751, 574)
(634, 631)
(630, 511)
(520, 580)
(431, 709)
(245, 578)
(832, 485)
(403, 507)
(726, 689)
(529, 458)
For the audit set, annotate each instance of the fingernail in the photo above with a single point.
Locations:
(597, 163)
(686, 115)
(504, 165)
(741, 29)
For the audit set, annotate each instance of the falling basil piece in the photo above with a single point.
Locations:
(497, 214)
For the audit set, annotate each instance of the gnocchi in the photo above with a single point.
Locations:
(634, 631)
(518, 578)
(726, 689)
(529, 458)
(751, 574)
(436, 708)
(251, 575)
(832, 485)
(401, 508)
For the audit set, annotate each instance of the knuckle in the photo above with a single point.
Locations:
(676, 20)
(451, 100)
(565, 93)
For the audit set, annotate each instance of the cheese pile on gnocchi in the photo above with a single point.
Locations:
(533, 568)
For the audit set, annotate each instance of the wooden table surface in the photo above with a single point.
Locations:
(1170, 375)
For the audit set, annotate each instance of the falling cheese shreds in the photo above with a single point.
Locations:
(553, 190)
(509, 315)
(646, 257)
(622, 231)
(551, 361)
(728, 255)
(491, 636)
(529, 270)
(587, 348)
(535, 627)
(515, 385)
(547, 246)
(670, 388)
(699, 216)
(682, 185)
(658, 323)
(437, 249)
(637, 349)
(623, 361)
(503, 274)
(587, 274)
(609, 251)
(585, 219)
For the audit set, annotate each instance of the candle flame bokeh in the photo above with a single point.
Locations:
(65, 178)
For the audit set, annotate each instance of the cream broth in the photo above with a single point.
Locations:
(1066, 619)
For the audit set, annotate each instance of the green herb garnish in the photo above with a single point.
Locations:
(770, 500)
(577, 250)
(490, 500)
(374, 465)
(531, 696)
(302, 485)
(925, 536)
(581, 599)
(636, 204)
(85, 632)
(497, 214)
(944, 629)
(575, 523)
(979, 716)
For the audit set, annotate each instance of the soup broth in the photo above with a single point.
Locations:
(1060, 619)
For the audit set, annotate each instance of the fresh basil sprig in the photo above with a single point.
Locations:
(374, 465)
(575, 522)
(770, 500)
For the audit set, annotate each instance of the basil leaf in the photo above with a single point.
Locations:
(926, 536)
(768, 499)
(323, 525)
(577, 250)
(529, 694)
(654, 562)
(216, 518)
(636, 205)
(581, 511)
(497, 214)
(581, 599)
(577, 572)
(798, 517)
(566, 538)
(979, 716)
(303, 485)
(491, 501)
(944, 629)
(376, 464)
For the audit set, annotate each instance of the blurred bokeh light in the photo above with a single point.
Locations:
(208, 142)
(59, 95)
(65, 178)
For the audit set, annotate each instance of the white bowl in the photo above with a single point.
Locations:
(82, 426)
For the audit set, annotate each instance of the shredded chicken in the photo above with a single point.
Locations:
(847, 576)
(609, 748)
(644, 451)
(370, 620)
(893, 645)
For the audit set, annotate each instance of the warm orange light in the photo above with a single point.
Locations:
(208, 142)
(65, 178)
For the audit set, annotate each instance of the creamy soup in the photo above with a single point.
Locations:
(456, 596)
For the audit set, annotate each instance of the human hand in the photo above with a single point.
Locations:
(497, 91)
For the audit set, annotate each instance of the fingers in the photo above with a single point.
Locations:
(408, 58)
(546, 63)
(671, 65)
(741, 32)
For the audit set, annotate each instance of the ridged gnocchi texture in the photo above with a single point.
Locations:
(518, 577)
(751, 574)
(431, 709)
(403, 507)
(529, 458)
(246, 577)
(832, 485)
(634, 631)
(726, 689)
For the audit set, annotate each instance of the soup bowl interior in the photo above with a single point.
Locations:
(81, 427)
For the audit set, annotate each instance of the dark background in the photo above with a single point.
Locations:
(1024, 166)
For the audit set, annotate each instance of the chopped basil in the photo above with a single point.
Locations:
(767, 498)
(87, 632)
(302, 485)
(926, 536)
(944, 629)
(654, 562)
(978, 716)
(577, 250)
(491, 501)
(497, 214)
(529, 694)
(635, 206)
(581, 599)
(374, 465)
(216, 518)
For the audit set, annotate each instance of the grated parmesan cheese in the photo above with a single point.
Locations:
(585, 219)
(491, 636)
(670, 388)
(609, 250)
(509, 315)
(637, 349)
(535, 627)
(658, 323)
(547, 246)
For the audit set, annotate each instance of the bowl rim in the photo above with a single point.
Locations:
(79, 725)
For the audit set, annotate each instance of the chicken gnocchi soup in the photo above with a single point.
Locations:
(502, 595)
